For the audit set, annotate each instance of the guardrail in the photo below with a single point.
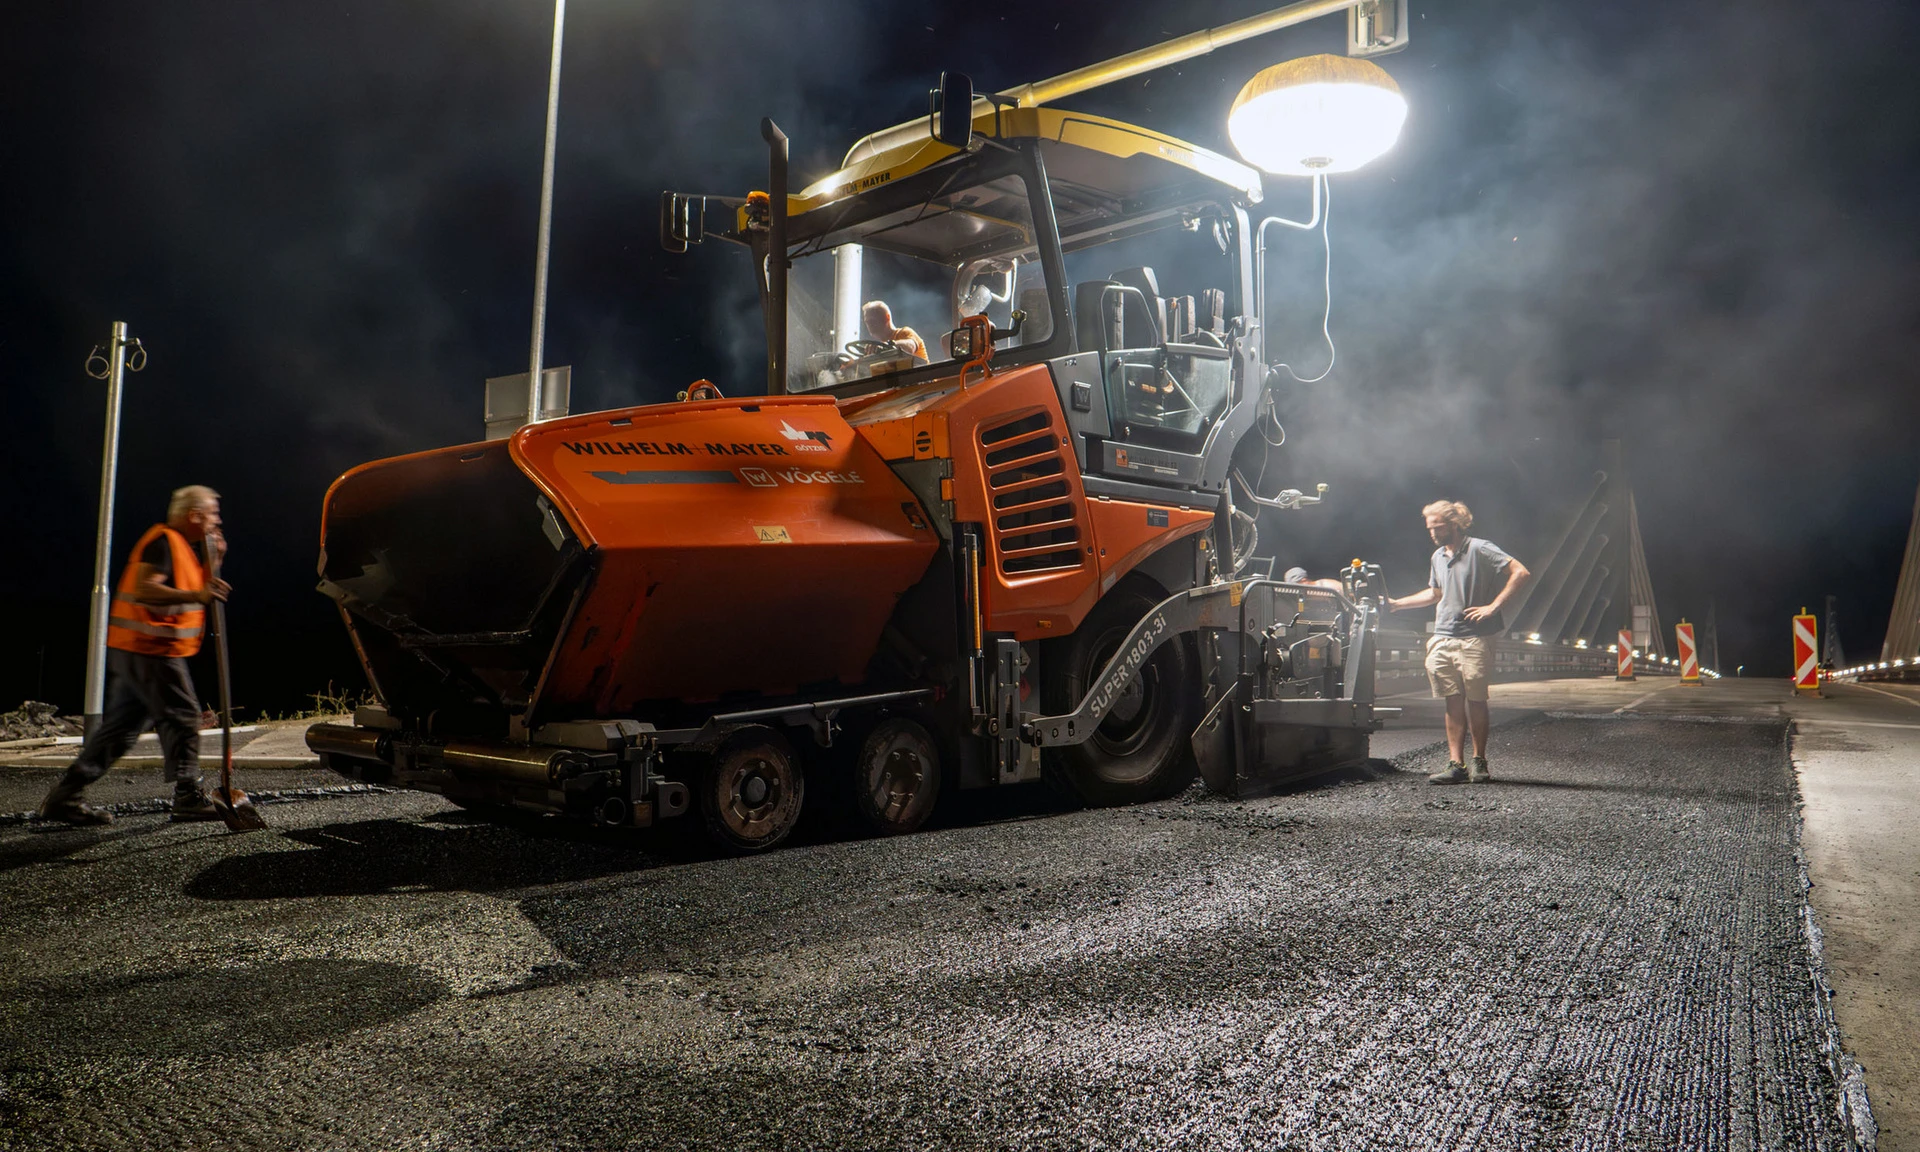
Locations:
(1405, 654)
(1895, 671)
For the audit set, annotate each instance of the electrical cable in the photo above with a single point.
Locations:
(1270, 411)
(1326, 318)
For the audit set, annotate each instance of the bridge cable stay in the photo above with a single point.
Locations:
(1831, 654)
(1599, 561)
(1537, 598)
(1903, 626)
(1710, 638)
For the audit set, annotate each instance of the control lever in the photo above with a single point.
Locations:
(1361, 579)
(1288, 497)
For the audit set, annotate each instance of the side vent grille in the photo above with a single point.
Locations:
(1034, 529)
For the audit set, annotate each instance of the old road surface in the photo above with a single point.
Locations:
(1607, 947)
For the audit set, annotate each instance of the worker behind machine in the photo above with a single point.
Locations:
(1299, 575)
(880, 326)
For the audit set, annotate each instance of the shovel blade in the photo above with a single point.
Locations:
(237, 810)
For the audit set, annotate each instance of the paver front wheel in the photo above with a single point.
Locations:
(896, 779)
(751, 789)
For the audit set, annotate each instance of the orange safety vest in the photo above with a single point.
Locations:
(159, 629)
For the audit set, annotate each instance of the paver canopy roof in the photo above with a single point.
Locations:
(1121, 160)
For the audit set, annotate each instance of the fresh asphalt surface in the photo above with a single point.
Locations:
(1604, 948)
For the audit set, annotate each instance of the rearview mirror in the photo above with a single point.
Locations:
(952, 110)
(682, 220)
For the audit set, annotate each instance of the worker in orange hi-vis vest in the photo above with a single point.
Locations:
(156, 621)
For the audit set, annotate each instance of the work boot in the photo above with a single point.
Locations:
(1456, 773)
(72, 811)
(63, 804)
(193, 806)
(1478, 774)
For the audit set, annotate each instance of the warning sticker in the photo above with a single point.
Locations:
(771, 534)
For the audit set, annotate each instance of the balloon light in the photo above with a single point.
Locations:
(1316, 115)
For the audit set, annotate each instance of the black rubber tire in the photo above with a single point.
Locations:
(750, 790)
(1142, 749)
(896, 778)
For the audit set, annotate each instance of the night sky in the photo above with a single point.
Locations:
(1689, 225)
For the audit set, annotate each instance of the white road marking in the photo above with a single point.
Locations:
(1856, 723)
(1904, 699)
(1641, 700)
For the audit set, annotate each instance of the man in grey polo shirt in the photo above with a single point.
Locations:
(1471, 580)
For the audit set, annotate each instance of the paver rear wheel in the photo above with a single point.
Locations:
(1141, 750)
(750, 790)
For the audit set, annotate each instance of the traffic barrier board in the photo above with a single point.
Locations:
(1689, 654)
(1806, 660)
(1626, 656)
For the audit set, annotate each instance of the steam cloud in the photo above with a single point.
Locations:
(1660, 223)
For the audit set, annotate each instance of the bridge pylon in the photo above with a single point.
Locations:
(1903, 626)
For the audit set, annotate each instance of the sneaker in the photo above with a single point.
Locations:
(1456, 773)
(1478, 774)
(198, 806)
(75, 813)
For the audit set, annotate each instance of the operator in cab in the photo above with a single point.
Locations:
(880, 326)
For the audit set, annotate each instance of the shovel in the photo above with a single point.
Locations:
(236, 808)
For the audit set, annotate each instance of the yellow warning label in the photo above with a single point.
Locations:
(1234, 593)
(771, 534)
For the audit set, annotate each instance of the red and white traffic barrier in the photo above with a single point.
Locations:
(1626, 656)
(1689, 654)
(1806, 660)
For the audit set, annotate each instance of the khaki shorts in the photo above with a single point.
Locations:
(1459, 665)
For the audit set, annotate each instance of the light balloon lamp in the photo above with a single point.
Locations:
(1316, 116)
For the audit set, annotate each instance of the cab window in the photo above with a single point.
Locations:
(1154, 302)
(880, 296)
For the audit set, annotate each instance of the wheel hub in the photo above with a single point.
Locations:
(899, 779)
(1129, 722)
(1127, 707)
(753, 790)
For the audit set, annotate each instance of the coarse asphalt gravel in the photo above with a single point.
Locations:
(1604, 948)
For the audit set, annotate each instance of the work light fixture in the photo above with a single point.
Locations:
(1316, 115)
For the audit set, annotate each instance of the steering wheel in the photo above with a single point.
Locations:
(869, 347)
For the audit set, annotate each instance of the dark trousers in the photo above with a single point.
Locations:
(142, 688)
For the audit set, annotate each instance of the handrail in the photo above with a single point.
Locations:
(1121, 67)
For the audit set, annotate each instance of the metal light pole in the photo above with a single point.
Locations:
(113, 371)
(546, 221)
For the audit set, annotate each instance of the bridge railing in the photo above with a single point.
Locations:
(1896, 671)
(1405, 654)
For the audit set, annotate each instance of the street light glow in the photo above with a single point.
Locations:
(1316, 115)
